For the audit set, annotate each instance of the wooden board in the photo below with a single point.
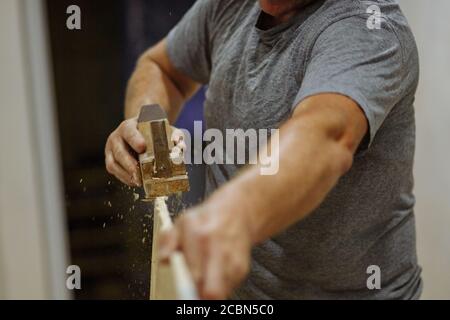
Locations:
(172, 281)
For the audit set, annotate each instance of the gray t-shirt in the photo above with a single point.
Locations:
(257, 77)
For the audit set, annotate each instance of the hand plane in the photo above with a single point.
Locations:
(163, 173)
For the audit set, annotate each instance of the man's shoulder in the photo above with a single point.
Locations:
(369, 19)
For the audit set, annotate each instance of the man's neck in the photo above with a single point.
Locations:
(269, 21)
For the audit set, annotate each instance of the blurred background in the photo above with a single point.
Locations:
(61, 95)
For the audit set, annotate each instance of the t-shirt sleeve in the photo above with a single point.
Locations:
(365, 65)
(189, 43)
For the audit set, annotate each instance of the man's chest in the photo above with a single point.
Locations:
(253, 83)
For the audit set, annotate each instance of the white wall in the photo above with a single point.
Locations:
(431, 24)
(32, 229)
(22, 270)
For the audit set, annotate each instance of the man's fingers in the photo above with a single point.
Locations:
(119, 158)
(182, 145)
(236, 271)
(193, 248)
(177, 155)
(116, 170)
(178, 138)
(126, 160)
(168, 244)
(214, 285)
(133, 137)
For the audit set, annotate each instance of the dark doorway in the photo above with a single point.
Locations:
(110, 232)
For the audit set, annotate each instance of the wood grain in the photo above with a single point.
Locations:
(172, 281)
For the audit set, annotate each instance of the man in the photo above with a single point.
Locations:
(340, 85)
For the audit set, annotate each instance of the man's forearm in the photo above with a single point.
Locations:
(150, 85)
(157, 81)
(312, 159)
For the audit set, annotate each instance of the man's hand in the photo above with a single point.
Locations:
(121, 147)
(125, 143)
(216, 245)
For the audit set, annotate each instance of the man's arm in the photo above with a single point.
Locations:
(154, 81)
(317, 146)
